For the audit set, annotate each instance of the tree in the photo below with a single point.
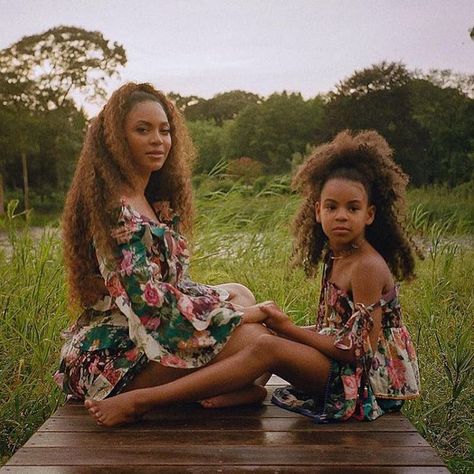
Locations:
(221, 107)
(43, 71)
(271, 132)
(380, 77)
(207, 137)
(379, 98)
(19, 137)
(184, 101)
(39, 76)
(445, 78)
(447, 115)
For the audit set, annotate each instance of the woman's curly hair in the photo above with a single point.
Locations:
(103, 171)
(366, 158)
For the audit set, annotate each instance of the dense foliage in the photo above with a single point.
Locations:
(427, 118)
(41, 127)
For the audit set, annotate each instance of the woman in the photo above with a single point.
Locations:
(143, 321)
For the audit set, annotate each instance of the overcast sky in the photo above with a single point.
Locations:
(204, 47)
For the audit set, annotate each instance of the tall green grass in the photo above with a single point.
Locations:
(32, 314)
(244, 237)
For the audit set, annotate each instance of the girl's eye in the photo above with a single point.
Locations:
(141, 130)
(166, 131)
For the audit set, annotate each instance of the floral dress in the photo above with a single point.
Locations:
(153, 311)
(382, 377)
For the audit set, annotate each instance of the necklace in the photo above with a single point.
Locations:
(346, 253)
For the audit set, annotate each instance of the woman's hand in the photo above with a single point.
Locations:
(276, 320)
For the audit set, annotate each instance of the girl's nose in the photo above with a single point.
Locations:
(341, 214)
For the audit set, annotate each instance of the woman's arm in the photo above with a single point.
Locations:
(134, 278)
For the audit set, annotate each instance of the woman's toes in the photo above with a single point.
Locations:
(88, 404)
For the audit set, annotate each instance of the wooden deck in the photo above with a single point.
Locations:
(190, 439)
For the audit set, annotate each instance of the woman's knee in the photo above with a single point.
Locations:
(240, 294)
(266, 345)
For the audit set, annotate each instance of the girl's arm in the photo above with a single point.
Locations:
(368, 280)
(279, 322)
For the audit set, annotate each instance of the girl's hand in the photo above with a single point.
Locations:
(252, 314)
(277, 320)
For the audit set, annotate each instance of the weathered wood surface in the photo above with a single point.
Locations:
(191, 439)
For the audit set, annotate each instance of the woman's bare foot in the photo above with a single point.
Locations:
(246, 396)
(118, 410)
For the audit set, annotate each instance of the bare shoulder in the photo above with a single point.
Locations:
(371, 271)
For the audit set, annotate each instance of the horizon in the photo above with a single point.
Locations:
(211, 47)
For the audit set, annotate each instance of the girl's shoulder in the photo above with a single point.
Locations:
(371, 266)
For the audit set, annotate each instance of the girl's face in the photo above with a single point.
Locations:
(344, 211)
(148, 134)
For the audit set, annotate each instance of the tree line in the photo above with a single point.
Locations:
(427, 118)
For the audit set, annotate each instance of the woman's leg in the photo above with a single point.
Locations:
(302, 365)
(238, 294)
(256, 392)
(155, 374)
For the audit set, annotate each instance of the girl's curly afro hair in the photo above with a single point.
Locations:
(366, 158)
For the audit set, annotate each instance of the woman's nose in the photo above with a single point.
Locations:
(156, 137)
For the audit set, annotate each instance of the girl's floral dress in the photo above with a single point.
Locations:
(153, 311)
(383, 376)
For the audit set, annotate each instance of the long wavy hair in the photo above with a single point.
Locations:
(366, 158)
(103, 172)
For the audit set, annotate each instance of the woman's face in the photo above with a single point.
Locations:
(148, 134)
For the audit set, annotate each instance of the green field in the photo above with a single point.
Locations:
(243, 235)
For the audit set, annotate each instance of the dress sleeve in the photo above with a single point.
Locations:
(355, 332)
(135, 281)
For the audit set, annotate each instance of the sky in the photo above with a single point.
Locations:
(203, 47)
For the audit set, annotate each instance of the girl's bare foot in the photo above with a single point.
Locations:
(118, 410)
(246, 396)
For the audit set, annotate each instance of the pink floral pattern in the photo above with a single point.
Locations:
(154, 311)
(381, 379)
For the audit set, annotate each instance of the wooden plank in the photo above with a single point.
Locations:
(196, 455)
(191, 411)
(92, 469)
(241, 438)
(296, 423)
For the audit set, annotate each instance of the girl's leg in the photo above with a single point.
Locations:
(302, 365)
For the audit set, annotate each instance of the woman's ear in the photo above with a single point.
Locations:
(370, 215)
(317, 211)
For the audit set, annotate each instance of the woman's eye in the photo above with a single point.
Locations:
(141, 130)
(166, 131)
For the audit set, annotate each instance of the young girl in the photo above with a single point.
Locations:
(358, 361)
